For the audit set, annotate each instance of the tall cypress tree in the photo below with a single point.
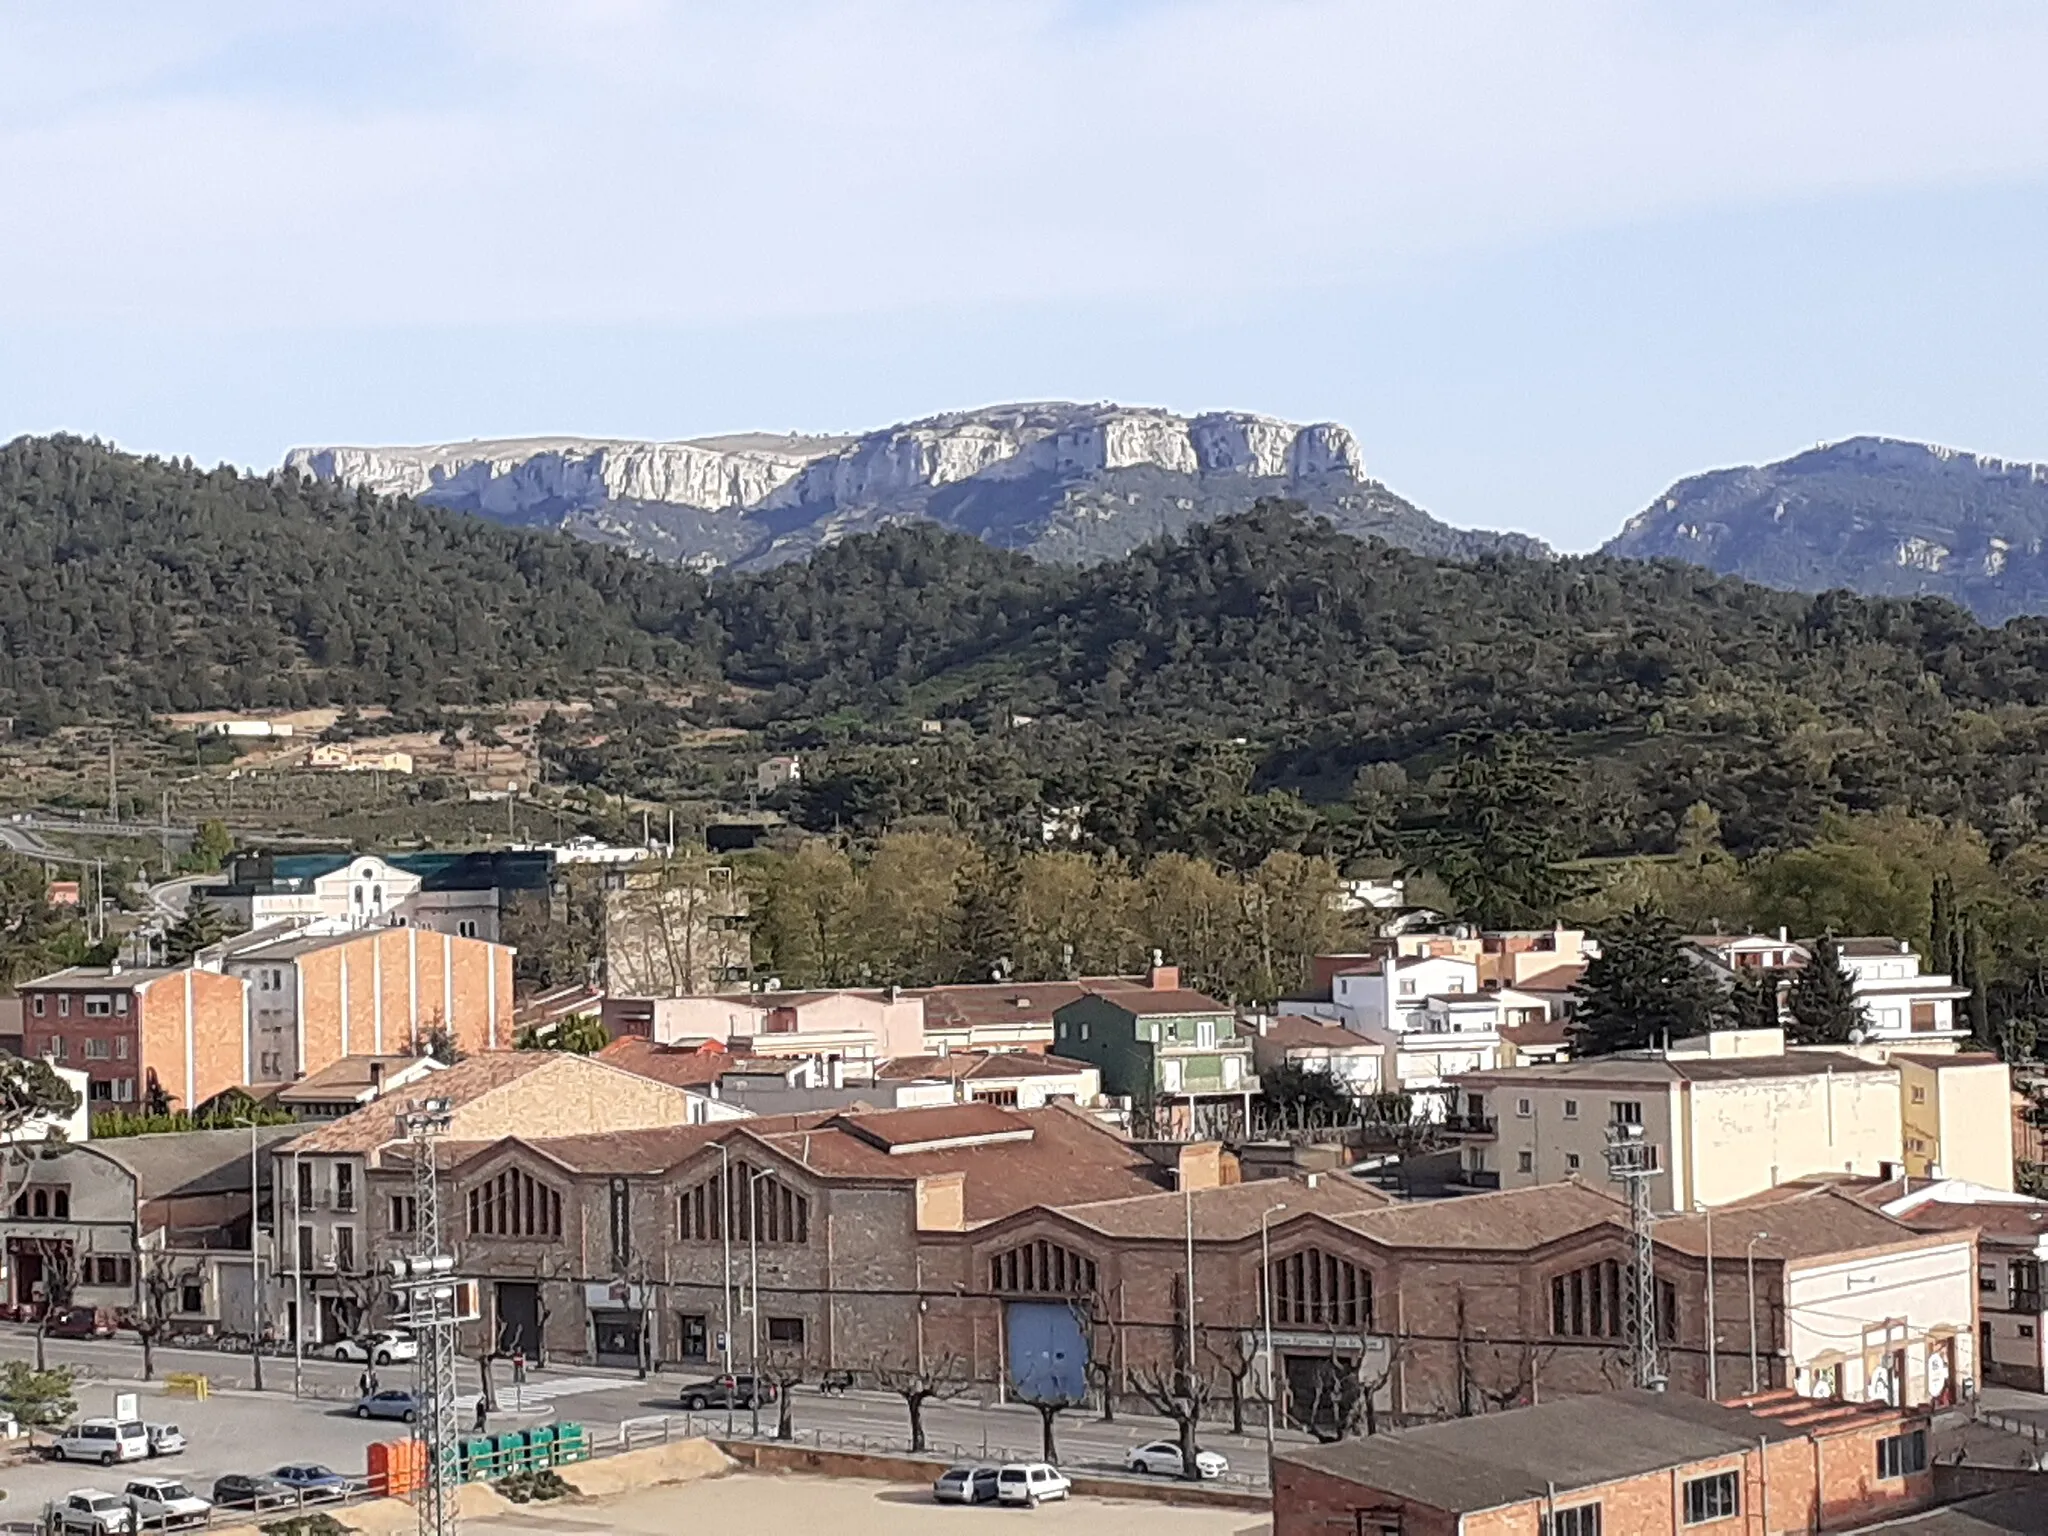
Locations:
(1642, 990)
(1753, 1001)
(1970, 973)
(1942, 939)
(1822, 998)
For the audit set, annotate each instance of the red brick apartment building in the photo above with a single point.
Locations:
(187, 1030)
(1628, 1463)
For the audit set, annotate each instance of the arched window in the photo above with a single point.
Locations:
(783, 1212)
(1041, 1268)
(1586, 1303)
(514, 1204)
(1313, 1289)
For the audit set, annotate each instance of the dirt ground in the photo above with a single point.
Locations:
(749, 1503)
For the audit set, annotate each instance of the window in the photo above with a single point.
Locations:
(1571, 1162)
(191, 1299)
(305, 1185)
(344, 1186)
(514, 1204)
(98, 1006)
(120, 1002)
(1713, 1498)
(695, 1333)
(1006, 1097)
(98, 1090)
(120, 1047)
(98, 1050)
(1580, 1520)
(1919, 1095)
(1987, 1279)
(1586, 1303)
(405, 1215)
(466, 928)
(1313, 1289)
(1525, 1162)
(35, 1005)
(1205, 1033)
(786, 1330)
(1571, 1109)
(1628, 1112)
(1523, 1108)
(345, 1249)
(63, 1005)
(1407, 989)
(1902, 1455)
(2026, 1285)
(60, 1204)
(1667, 1311)
(124, 1090)
(784, 1212)
(39, 1204)
(116, 1270)
(2026, 1330)
(1041, 1269)
(60, 1047)
(305, 1248)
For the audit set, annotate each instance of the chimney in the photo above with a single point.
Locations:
(1200, 1166)
(1162, 978)
(1784, 937)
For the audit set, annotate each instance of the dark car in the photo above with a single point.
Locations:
(249, 1490)
(725, 1392)
(312, 1481)
(81, 1323)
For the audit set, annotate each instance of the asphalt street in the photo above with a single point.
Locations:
(240, 1430)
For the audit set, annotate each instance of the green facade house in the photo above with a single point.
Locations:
(1161, 1044)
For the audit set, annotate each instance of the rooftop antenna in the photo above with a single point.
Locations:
(1632, 1163)
(432, 1304)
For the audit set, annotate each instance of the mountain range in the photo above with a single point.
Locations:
(1877, 515)
(1055, 480)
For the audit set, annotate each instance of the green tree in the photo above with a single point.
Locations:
(1297, 1089)
(211, 848)
(199, 926)
(580, 1034)
(38, 1399)
(1755, 1001)
(1642, 990)
(1500, 831)
(1822, 998)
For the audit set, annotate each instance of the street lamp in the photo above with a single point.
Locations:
(1266, 1314)
(260, 1319)
(754, 1283)
(728, 1206)
(1749, 1265)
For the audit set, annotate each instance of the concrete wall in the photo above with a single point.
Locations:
(1851, 1314)
(1958, 1119)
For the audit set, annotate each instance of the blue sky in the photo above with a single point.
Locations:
(1543, 260)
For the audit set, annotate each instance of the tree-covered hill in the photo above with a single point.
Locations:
(134, 584)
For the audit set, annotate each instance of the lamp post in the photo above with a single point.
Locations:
(298, 1293)
(754, 1283)
(1749, 1265)
(1266, 1315)
(258, 1310)
(728, 1205)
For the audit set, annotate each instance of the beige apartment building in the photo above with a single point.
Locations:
(1955, 1107)
(1725, 1118)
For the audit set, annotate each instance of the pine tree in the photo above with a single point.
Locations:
(1942, 938)
(201, 924)
(1754, 1001)
(1970, 973)
(1642, 990)
(1822, 998)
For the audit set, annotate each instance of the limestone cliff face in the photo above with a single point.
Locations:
(1061, 480)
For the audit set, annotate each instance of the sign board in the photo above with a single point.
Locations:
(127, 1406)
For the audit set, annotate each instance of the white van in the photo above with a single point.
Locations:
(1030, 1482)
(105, 1441)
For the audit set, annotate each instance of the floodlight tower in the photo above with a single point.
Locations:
(1632, 1163)
(432, 1304)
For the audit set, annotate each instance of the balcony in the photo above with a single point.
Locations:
(1470, 1125)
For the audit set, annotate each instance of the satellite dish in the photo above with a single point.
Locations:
(1858, 1034)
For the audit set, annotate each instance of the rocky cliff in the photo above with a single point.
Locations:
(1066, 482)
(1872, 514)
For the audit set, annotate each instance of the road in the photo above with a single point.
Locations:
(240, 1430)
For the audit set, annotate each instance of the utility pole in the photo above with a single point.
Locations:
(164, 830)
(434, 1304)
(1632, 1163)
(113, 785)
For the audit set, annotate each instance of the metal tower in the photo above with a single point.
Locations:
(1632, 1163)
(432, 1304)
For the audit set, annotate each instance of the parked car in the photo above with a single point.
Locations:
(1163, 1458)
(311, 1481)
(81, 1323)
(94, 1512)
(725, 1392)
(1031, 1482)
(105, 1441)
(378, 1349)
(165, 1439)
(164, 1501)
(966, 1485)
(393, 1403)
(247, 1490)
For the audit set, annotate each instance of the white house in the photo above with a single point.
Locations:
(1900, 1001)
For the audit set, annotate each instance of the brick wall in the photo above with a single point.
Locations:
(194, 1034)
(386, 987)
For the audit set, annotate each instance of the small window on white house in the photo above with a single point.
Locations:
(120, 1002)
(1523, 1108)
(1407, 989)
(1571, 1162)
(1525, 1162)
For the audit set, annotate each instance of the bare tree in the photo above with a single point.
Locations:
(158, 1279)
(1345, 1399)
(1050, 1402)
(60, 1276)
(918, 1384)
(1102, 1377)
(1237, 1358)
(1181, 1394)
(783, 1369)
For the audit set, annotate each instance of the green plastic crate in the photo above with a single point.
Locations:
(572, 1443)
(540, 1446)
(479, 1456)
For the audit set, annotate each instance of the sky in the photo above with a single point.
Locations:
(1542, 259)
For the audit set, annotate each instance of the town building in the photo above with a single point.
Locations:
(1953, 1104)
(317, 995)
(2012, 1256)
(774, 774)
(1013, 1079)
(1901, 1003)
(137, 1032)
(1626, 1463)
(93, 1225)
(1357, 1064)
(342, 1087)
(1006, 1015)
(1729, 1115)
(337, 1233)
(858, 1028)
(1172, 1053)
(675, 931)
(465, 895)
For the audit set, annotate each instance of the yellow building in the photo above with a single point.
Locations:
(1958, 1117)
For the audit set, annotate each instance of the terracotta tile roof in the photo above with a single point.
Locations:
(346, 1078)
(650, 1153)
(1508, 1220)
(1790, 1223)
(977, 1066)
(688, 1068)
(467, 1081)
(2012, 1222)
(1295, 1031)
(1148, 1000)
(1873, 946)
(978, 1007)
(1540, 1032)
(894, 1130)
(1559, 978)
(1652, 1070)
(1228, 1212)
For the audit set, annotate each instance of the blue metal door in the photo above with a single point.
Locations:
(1048, 1353)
